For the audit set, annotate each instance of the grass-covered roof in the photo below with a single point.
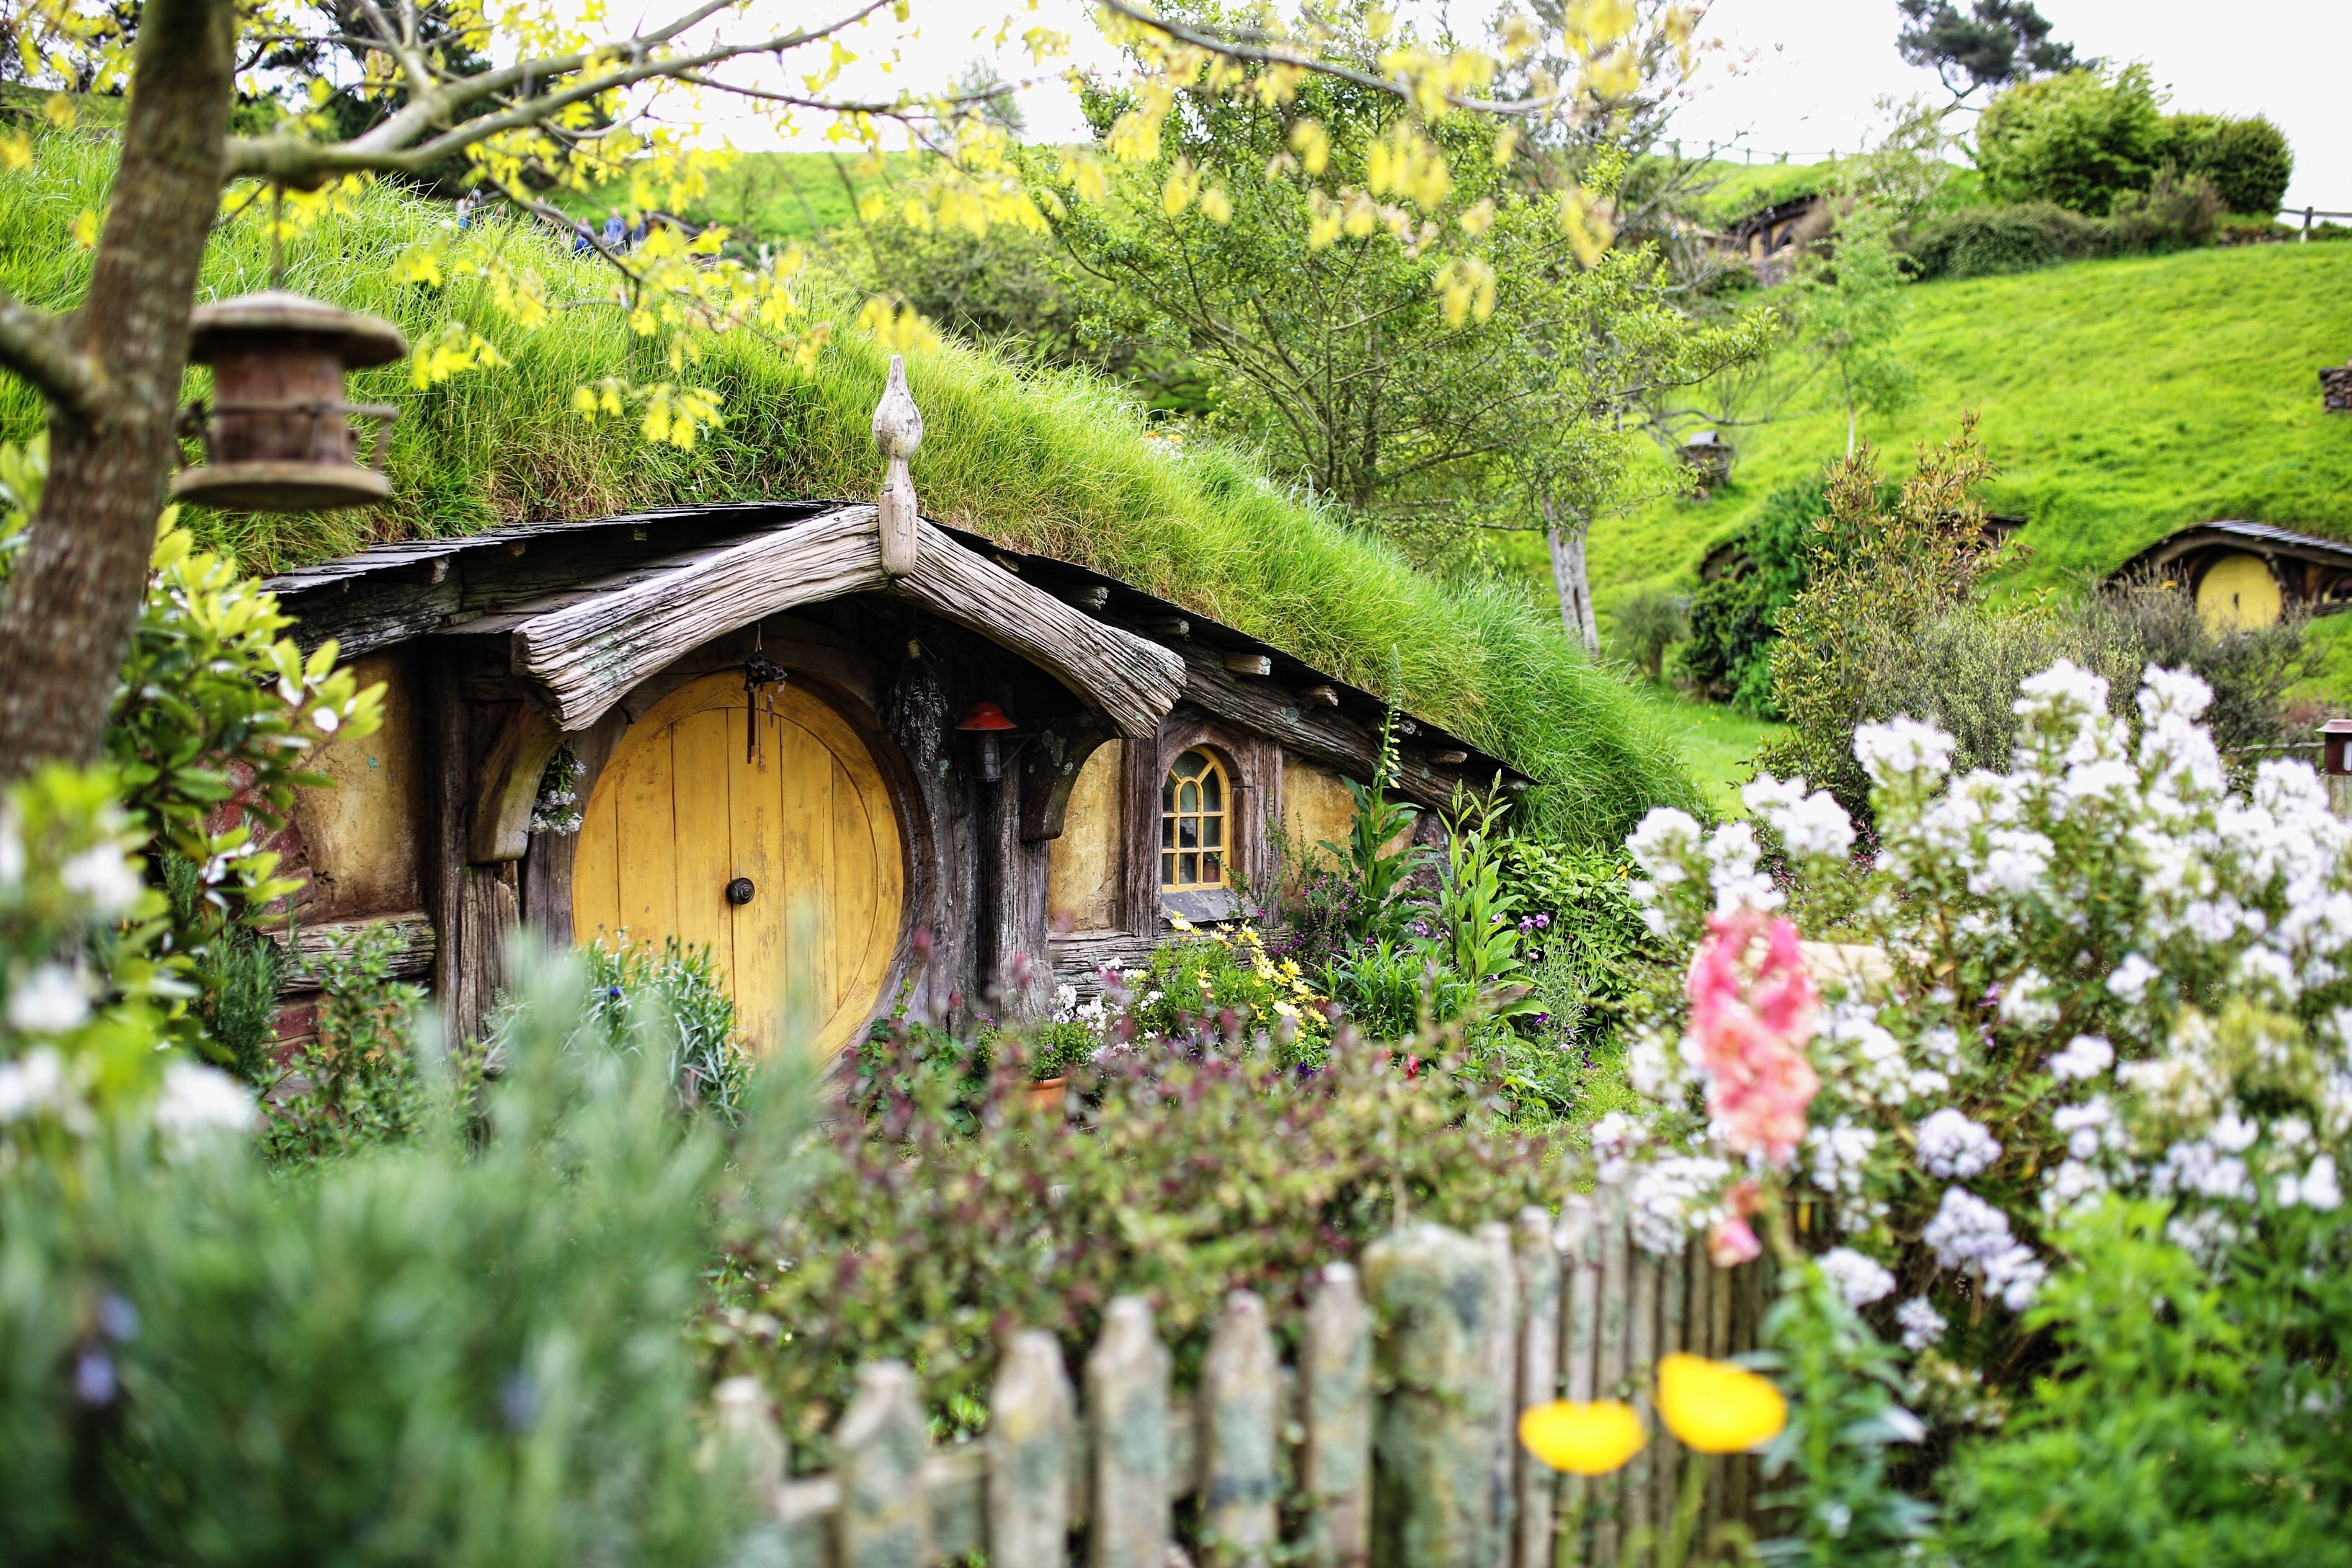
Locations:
(1056, 464)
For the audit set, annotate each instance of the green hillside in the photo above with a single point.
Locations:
(775, 196)
(2121, 400)
(1055, 463)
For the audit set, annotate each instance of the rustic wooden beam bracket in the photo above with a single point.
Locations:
(507, 785)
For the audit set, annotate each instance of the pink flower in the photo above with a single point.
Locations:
(1732, 1243)
(1751, 1029)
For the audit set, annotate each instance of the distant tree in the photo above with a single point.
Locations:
(1999, 42)
(2080, 140)
(986, 92)
(1851, 307)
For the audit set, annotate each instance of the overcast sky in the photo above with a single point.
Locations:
(1800, 75)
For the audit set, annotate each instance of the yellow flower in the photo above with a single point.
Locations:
(1582, 1439)
(1716, 1408)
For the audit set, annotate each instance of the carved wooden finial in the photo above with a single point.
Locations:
(898, 431)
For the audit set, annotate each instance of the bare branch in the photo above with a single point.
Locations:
(384, 148)
(1259, 48)
(37, 347)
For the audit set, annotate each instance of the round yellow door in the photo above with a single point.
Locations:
(2239, 594)
(787, 864)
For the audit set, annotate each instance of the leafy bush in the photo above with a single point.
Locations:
(2079, 138)
(356, 1081)
(463, 1348)
(1728, 657)
(2247, 161)
(206, 735)
(1648, 622)
(2176, 212)
(2188, 1420)
(1226, 981)
(1989, 241)
(1891, 624)
(1197, 1168)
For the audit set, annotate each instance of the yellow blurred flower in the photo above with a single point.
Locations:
(1716, 1408)
(1584, 1439)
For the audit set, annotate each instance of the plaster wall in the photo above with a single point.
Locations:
(360, 840)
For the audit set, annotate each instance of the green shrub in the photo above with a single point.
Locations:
(1648, 622)
(2190, 1420)
(1984, 242)
(2079, 138)
(206, 735)
(356, 1081)
(1729, 656)
(1196, 1168)
(709, 1063)
(2247, 161)
(1895, 626)
(462, 1348)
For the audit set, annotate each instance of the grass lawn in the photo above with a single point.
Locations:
(2121, 400)
(1718, 743)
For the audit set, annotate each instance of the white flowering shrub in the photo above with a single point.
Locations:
(2103, 970)
(83, 998)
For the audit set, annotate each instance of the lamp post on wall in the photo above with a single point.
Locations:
(987, 725)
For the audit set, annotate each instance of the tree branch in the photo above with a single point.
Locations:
(382, 150)
(37, 347)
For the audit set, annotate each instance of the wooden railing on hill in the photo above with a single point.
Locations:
(1392, 1438)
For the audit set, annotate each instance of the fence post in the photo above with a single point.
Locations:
(1539, 1272)
(1434, 1292)
(1616, 1291)
(1241, 1383)
(1127, 1422)
(1578, 1242)
(1334, 1366)
(1673, 1303)
(1031, 1434)
(748, 1437)
(884, 1521)
(1502, 1345)
(1641, 1369)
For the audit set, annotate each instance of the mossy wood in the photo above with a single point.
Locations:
(1466, 1332)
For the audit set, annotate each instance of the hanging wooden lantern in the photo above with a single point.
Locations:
(279, 437)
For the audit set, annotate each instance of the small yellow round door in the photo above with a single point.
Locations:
(788, 864)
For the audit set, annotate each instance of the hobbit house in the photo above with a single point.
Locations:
(861, 755)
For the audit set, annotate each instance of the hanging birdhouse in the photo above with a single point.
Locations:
(279, 436)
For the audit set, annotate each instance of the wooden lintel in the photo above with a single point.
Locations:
(1134, 682)
(1249, 663)
(587, 654)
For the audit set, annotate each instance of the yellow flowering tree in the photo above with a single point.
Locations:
(541, 94)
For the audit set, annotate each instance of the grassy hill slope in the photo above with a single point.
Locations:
(1047, 462)
(2120, 399)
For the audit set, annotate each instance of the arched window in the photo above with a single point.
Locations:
(1193, 813)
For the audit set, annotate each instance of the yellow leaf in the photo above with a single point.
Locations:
(583, 402)
(85, 229)
(58, 110)
(1716, 1407)
(1313, 145)
(1216, 205)
(15, 151)
(1581, 1437)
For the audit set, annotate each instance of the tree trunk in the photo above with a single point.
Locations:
(1568, 574)
(65, 623)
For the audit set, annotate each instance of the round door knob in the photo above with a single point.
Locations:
(740, 890)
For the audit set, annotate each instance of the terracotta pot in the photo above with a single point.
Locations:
(1046, 1094)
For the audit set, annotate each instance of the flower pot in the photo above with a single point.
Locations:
(1046, 1094)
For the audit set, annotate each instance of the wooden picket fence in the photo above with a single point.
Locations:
(1392, 1439)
